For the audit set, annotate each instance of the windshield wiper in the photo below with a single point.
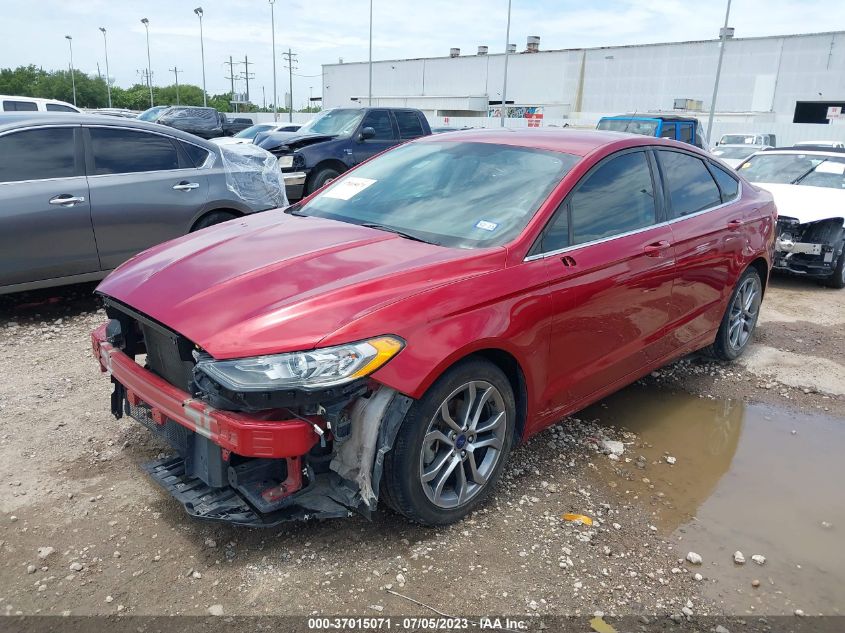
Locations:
(390, 229)
(294, 209)
(807, 173)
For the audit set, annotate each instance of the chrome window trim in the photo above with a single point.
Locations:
(565, 249)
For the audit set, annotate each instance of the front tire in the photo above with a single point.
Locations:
(452, 445)
(837, 279)
(740, 319)
(323, 176)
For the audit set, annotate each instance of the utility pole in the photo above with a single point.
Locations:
(724, 39)
(231, 78)
(275, 92)
(72, 75)
(263, 98)
(290, 56)
(370, 90)
(146, 24)
(176, 72)
(246, 74)
(507, 54)
(199, 13)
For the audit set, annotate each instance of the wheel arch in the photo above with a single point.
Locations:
(236, 213)
(762, 267)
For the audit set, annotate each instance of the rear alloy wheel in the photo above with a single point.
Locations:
(740, 319)
(837, 279)
(452, 445)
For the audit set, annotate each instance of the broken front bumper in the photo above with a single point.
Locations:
(810, 249)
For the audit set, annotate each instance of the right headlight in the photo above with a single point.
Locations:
(286, 162)
(324, 367)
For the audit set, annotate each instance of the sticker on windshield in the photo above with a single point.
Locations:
(348, 188)
(830, 167)
(487, 226)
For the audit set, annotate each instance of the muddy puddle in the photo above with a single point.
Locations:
(746, 477)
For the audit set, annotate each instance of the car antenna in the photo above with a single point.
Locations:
(628, 124)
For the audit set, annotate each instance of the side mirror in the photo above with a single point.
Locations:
(366, 133)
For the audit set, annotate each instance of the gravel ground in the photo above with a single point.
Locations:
(83, 531)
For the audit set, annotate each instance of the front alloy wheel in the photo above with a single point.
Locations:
(740, 319)
(463, 444)
(452, 445)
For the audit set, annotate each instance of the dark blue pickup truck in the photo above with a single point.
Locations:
(338, 139)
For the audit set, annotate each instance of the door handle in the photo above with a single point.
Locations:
(655, 249)
(735, 225)
(568, 261)
(186, 186)
(66, 200)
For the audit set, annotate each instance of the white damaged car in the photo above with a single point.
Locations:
(809, 190)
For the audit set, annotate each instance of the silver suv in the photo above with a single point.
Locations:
(80, 194)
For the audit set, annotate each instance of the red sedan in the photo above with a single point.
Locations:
(395, 335)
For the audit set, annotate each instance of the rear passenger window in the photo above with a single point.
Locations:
(119, 151)
(691, 187)
(37, 154)
(20, 106)
(616, 198)
(196, 155)
(409, 124)
(58, 107)
(728, 185)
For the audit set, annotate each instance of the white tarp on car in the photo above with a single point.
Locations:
(253, 175)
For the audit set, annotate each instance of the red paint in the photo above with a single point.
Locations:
(578, 326)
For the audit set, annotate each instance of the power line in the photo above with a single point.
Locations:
(231, 78)
(290, 57)
(246, 75)
(176, 72)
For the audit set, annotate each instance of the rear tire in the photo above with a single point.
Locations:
(320, 178)
(740, 319)
(448, 454)
(837, 279)
(210, 219)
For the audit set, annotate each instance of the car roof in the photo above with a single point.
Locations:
(837, 152)
(645, 116)
(566, 140)
(14, 120)
(751, 146)
(35, 99)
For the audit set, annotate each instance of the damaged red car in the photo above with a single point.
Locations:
(396, 334)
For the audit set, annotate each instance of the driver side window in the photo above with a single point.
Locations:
(380, 121)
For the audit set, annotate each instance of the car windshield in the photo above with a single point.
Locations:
(632, 126)
(737, 139)
(733, 152)
(151, 114)
(811, 170)
(334, 122)
(252, 130)
(458, 194)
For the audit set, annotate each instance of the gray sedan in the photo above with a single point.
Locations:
(80, 194)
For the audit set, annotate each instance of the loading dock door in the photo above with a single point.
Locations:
(814, 111)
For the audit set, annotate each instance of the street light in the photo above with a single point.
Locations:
(198, 11)
(504, 109)
(273, 35)
(370, 98)
(106, 48)
(146, 24)
(72, 77)
(724, 37)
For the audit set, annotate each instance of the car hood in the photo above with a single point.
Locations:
(274, 282)
(804, 203)
(292, 140)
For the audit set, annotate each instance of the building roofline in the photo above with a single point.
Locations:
(594, 48)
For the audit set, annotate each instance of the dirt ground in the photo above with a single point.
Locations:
(84, 531)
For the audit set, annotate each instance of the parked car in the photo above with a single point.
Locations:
(809, 189)
(733, 155)
(255, 131)
(236, 125)
(33, 104)
(206, 123)
(80, 194)
(679, 128)
(152, 114)
(338, 139)
(397, 333)
(748, 139)
(819, 145)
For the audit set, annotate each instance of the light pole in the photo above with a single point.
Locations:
(724, 38)
(507, 54)
(273, 36)
(370, 92)
(106, 48)
(72, 77)
(198, 11)
(146, 24)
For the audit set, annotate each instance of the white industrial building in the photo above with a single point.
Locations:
(767, 82)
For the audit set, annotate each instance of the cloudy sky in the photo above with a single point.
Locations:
(321, 31)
